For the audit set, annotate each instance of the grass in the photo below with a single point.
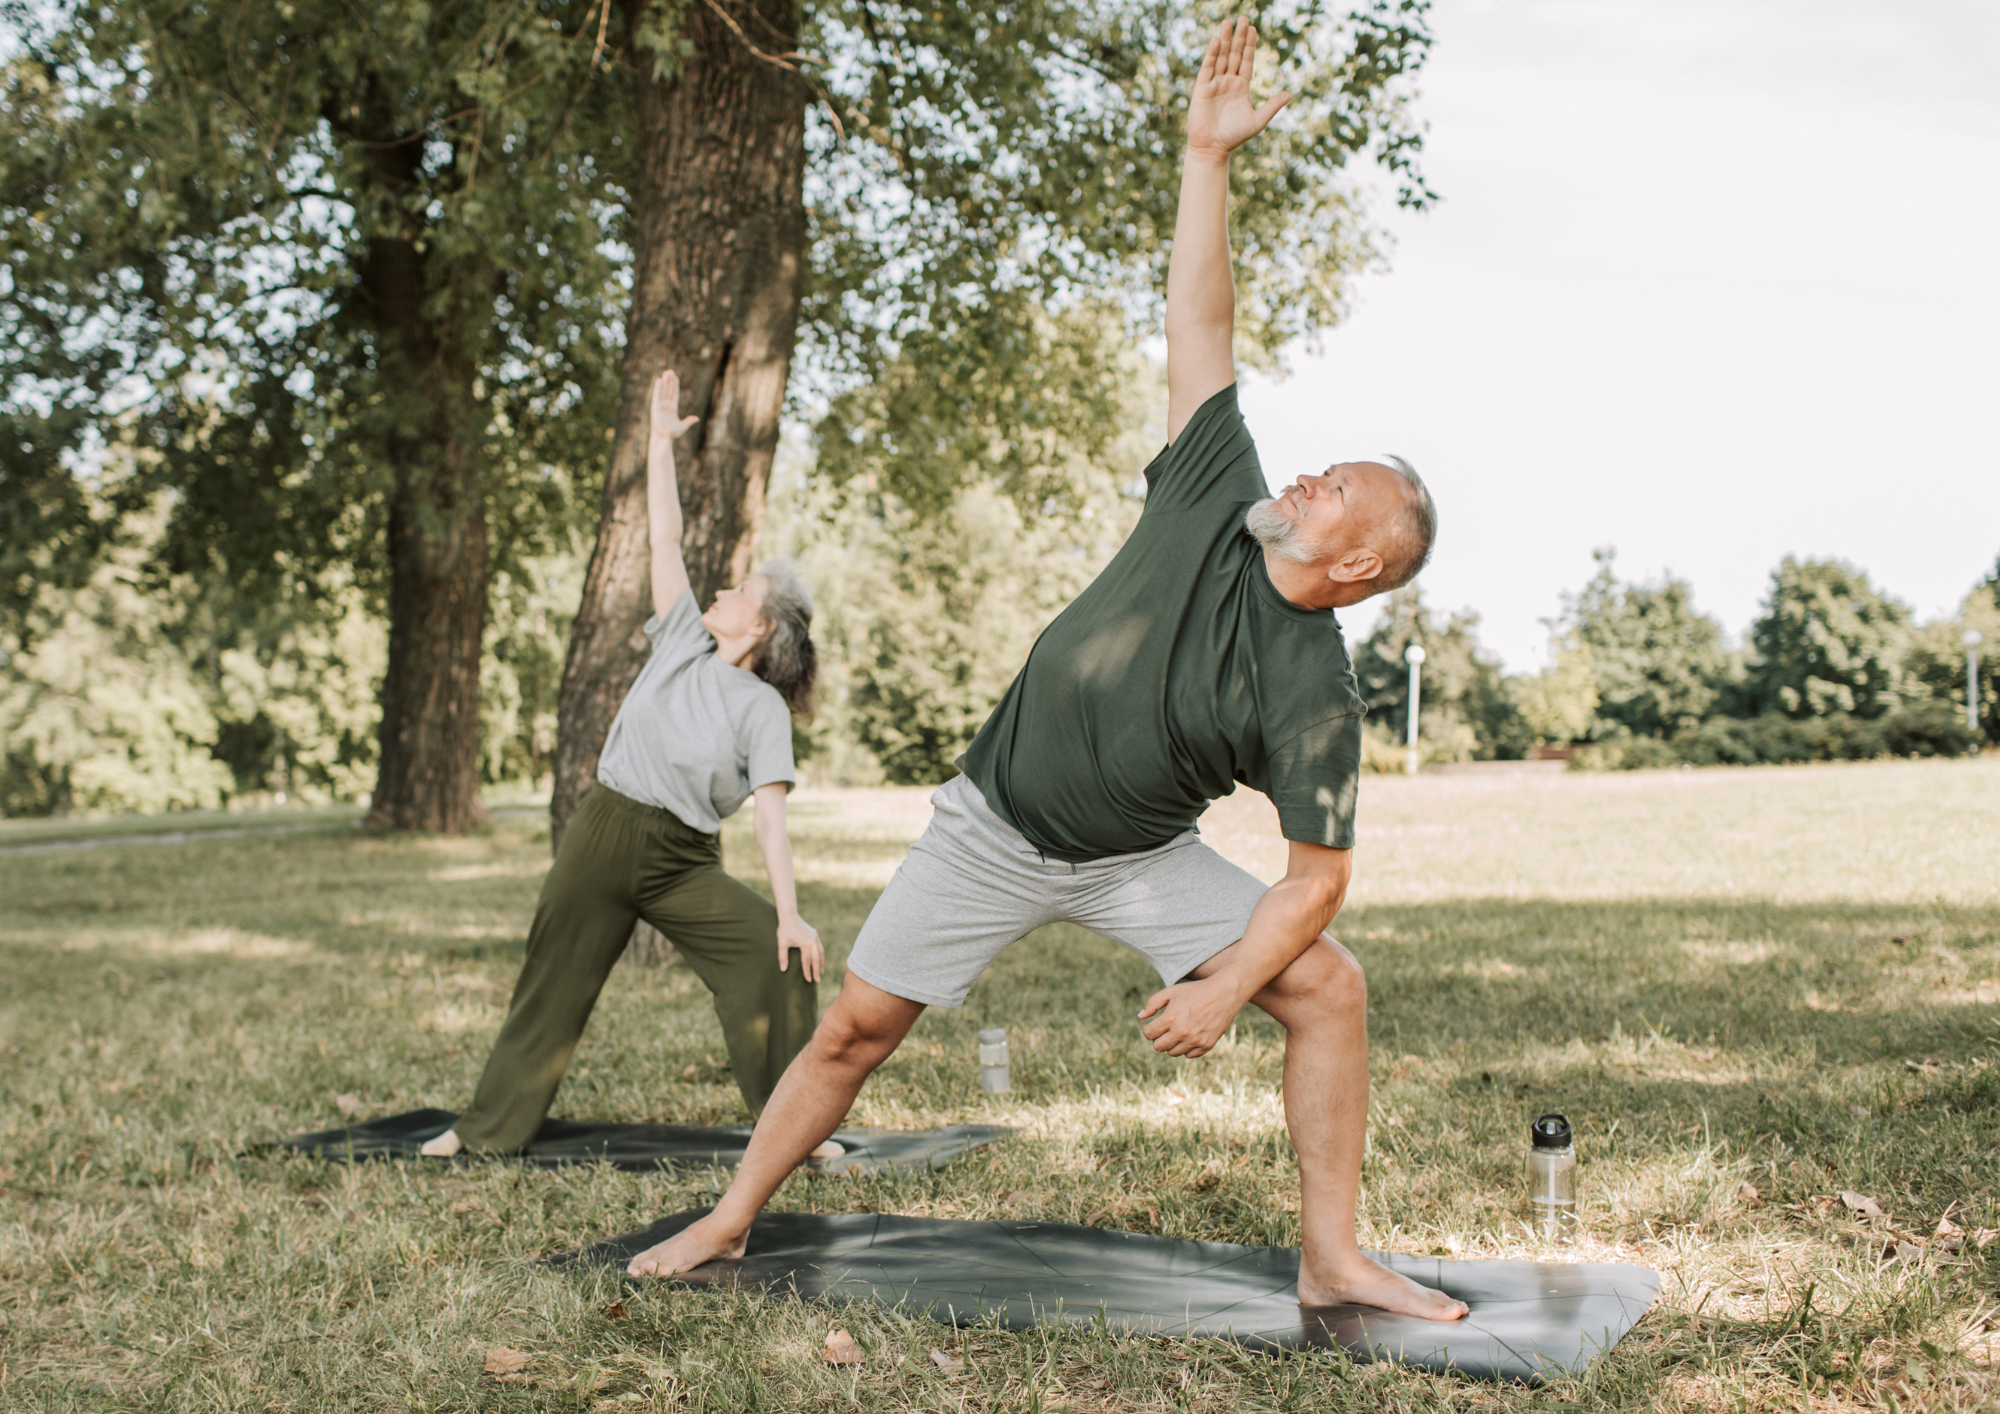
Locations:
(1750, 991)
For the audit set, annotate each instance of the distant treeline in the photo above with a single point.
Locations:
(1833, 669)
(148, 689)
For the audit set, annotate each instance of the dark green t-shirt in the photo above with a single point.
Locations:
(1179, 672)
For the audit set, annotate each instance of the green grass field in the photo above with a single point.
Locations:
(1750, 990)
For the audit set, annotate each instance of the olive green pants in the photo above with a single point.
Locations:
(621, 861)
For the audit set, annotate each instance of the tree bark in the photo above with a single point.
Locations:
(428, 778)
(428, 774)
(718, 243)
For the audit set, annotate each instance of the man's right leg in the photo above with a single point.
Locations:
(859, 1031)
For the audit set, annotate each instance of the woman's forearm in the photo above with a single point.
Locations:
(775, 844)
(663, 494)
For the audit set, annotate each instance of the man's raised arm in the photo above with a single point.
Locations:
(1201, 294)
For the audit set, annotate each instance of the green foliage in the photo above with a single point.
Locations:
(197, 205)
(997, 167)
(106, 712)
(527, 629)
(1827, 642)
(1656, 662)
(1465, 710)
(1559, 704)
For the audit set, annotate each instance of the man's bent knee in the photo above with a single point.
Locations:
(863, 1025)
(1325, 977)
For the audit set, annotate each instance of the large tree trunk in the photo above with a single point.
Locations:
(428, 776)
(429, 773)
(718, 243)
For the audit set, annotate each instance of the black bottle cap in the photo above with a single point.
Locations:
(1550, 1132)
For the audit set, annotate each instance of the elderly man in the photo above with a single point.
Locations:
(1205, 654)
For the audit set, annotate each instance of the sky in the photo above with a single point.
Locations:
(1713, 282)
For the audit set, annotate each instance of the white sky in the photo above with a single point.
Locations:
(1713, 281)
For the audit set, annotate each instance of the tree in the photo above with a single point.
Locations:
(1466, 713)
(1827, 642)
(341, 276)
(915, 191)
(1560, 704)
(1656, 662)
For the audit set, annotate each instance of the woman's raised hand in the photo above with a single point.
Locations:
(667, 420)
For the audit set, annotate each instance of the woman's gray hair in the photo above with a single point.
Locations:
(786, 658)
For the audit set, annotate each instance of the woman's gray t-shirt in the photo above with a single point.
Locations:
(694, 735)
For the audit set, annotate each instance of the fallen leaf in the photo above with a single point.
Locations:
(502, 1361)
(347, 1104)
(950, 1364)
(1092, 1220)
(615, 1311)
(841, 1349)
(1747, 1191)
(1863, 1206)
(1909, 1252)
(689, 1073)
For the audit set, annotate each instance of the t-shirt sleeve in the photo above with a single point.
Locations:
(1214, 458)
(1314, 779)
(678, 632)
(767, 741)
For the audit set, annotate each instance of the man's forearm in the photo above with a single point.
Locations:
(1201, 294)
(1287, 920)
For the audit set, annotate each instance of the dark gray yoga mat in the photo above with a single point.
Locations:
(647, 1146)
(1529, 1320)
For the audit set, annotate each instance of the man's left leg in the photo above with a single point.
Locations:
(1322, 1002)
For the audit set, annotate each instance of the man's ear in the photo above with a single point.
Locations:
(1355, 566)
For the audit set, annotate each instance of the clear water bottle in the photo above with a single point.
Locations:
(1552, 1178)
(993, 1074)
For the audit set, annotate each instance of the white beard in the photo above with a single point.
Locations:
(1278, 532)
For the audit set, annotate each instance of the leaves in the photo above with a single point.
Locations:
(507, 1364)
(841, 1349)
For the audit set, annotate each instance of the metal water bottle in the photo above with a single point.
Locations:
(1552, 1177)
(993, 1075)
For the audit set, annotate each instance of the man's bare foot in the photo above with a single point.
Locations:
(701, 1241)
(828, 1149)
(442, 1147)
(1363, 1281)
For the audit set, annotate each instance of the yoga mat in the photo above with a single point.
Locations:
(1529, 1320)
(640, 1147)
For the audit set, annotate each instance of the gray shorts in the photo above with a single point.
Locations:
(972, 885)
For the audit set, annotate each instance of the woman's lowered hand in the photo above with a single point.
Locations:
(795, 932)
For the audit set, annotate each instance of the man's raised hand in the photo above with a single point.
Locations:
(1220, 116)
(666, 410)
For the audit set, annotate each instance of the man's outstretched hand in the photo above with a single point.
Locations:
(1220, 116)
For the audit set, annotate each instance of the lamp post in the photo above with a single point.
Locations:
(1414, 656)
(1972, 638)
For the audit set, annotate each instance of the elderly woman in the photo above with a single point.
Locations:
(706, 726)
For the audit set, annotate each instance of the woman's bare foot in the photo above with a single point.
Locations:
(701, 1241)
(442, 1147)
(828, 1149)
(1361, 1281)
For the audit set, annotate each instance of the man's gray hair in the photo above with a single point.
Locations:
(1415, 530)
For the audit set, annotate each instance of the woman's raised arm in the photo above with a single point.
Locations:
(663, 492)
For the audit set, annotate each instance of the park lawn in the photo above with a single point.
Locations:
(1750, 991)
